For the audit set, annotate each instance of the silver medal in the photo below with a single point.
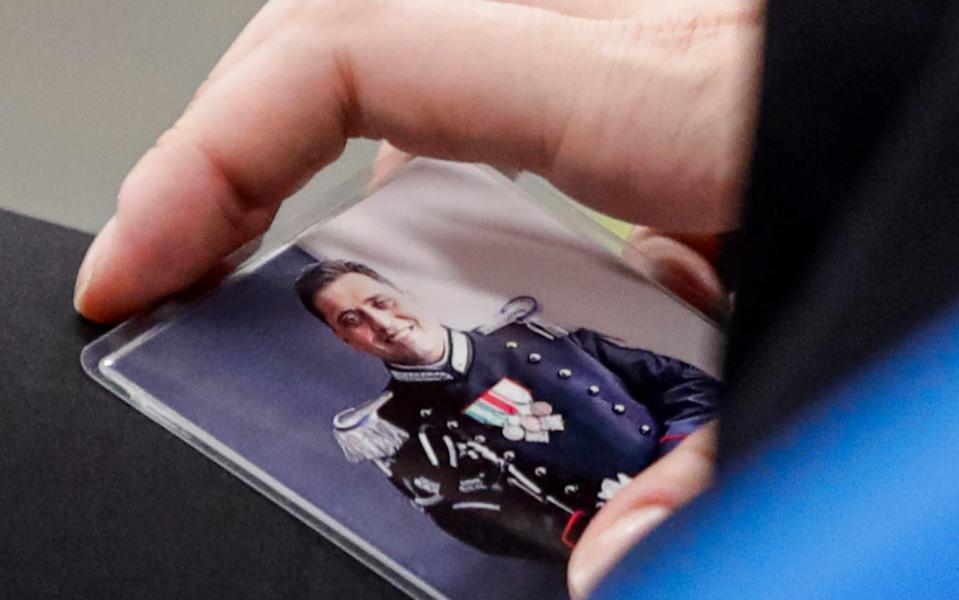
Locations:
(514, 433)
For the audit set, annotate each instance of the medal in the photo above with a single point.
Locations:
(541, 437)
(510, 406)
(531, 423)
(541, 409)
(552, 423)
(514, 433)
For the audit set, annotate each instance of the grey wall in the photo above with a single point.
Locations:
(86, 86)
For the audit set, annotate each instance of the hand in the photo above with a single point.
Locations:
(641, 506)
(683, 264)
(642, 109)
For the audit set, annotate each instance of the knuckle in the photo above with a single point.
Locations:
(339, 14)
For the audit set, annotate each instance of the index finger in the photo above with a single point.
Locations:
(649, 130)
(260, 130)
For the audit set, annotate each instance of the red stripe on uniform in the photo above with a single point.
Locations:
(675, 436)
(503, 405)
(573, 519)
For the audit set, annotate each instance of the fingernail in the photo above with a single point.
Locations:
(593, 563)
(89, 266)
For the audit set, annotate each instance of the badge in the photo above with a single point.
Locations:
(510, 406)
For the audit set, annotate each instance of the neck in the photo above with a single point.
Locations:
(439, 356)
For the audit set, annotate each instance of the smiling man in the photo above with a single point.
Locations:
(368, 312)
(512, 435)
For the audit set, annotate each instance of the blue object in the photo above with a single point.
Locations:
(857, 499)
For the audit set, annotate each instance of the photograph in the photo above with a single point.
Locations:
(443, 378)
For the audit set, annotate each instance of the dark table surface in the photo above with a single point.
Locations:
(96, 501)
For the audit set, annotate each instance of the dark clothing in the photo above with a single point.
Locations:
(620, 409)
(850, 222)
(849, 247)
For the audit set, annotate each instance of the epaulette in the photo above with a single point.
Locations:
(514, 311)
(363, 435)
(522, 309)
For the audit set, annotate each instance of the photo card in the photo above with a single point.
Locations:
(444, 379)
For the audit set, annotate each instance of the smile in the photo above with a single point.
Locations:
(399, 336)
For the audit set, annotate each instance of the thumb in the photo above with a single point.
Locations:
(641, 506)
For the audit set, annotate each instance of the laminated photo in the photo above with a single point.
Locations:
(443, 378)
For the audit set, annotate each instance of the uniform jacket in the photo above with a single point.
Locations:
(441, 438)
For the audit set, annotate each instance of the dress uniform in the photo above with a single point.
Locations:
(522, 431)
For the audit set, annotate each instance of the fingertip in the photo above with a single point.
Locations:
(593, 561)
(87, 275)
(177, 218)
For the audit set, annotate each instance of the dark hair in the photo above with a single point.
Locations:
(316, 277)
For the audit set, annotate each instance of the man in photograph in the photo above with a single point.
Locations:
(509, 436)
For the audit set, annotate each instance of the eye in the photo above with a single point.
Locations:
(382, 303)
(349, 319)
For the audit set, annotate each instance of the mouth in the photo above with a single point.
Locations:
(399, 336)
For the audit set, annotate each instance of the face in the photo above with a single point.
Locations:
(378, 319)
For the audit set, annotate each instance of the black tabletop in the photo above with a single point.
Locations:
(96, 501)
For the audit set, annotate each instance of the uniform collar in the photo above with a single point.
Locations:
(455, 362)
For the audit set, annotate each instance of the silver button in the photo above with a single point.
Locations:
(480, 439)
(452, 424)
(534, 357)
(619, 409)
(540, 471)
(564, 373)
(426, 412)
(512, 345)
(593, 390)
(509, 455)
(645, 429)
(570, 489)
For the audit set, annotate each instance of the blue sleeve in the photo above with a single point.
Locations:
(678, 395)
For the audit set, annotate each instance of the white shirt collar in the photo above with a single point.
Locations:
(457, 353)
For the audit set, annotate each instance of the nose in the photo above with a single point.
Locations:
(380, 321)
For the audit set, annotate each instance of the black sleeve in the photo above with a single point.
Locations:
(850, 215)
